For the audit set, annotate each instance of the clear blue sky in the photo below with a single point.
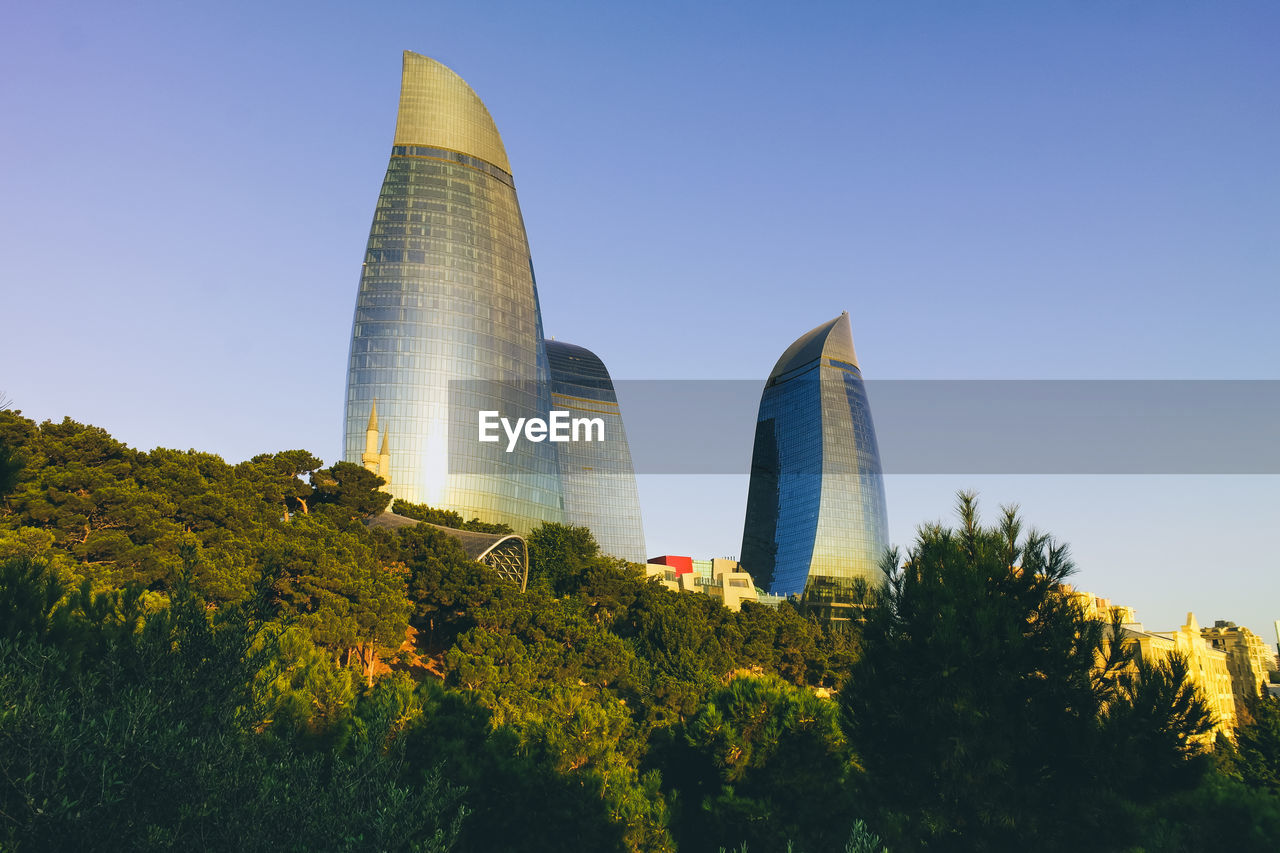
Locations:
(992, 190)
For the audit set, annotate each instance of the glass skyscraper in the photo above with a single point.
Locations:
(815, 517)
(447, 320)
(599, 480)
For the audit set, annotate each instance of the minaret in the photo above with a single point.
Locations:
(370, 458)
(384, 460)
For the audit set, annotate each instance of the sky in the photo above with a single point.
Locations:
(993, 190)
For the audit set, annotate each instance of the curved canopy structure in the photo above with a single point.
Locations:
(505, 553)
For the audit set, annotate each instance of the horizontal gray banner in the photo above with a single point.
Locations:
(964, 426)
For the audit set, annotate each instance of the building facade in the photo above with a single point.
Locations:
(1207, 668)
(1208, 665)
(816, 520)
(447, 321)
(720, 578)
(1249, 660)
(596, 472)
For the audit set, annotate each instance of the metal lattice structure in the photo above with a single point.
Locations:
(505, 553)
(509, 557)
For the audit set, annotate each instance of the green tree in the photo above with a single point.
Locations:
(516, 802)
(800, 649)
(566, 687)
(1219, 814)
(352, 490)
(149, 743)
(445, 585)
(762, 762)
(977, 707)
(1257, 747)
(281, 480)
(301, 691)
(80, 485)
(11, 465)
(123, 517)
(446, 518)
(1154, 729)
(329, 582)
(687, 643)
(560, 555)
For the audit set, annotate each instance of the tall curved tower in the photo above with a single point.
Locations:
(599, 479)
(447, 321)
(816, 516)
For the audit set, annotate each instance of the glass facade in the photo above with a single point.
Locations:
(816, 517)
(599, 480)
(447, 319)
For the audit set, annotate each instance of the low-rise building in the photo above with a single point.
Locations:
(720, 578)
(1101, 609)
(1206, 668)
(1249, 661)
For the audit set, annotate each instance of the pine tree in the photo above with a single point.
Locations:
(978, 706)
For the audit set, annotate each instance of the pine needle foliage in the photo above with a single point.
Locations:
(988, 713)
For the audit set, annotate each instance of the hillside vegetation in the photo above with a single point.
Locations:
(197, 655)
